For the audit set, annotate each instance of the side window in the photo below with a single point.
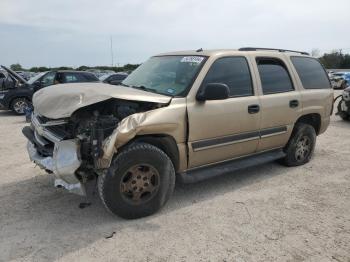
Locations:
(232, 71)
(274, 76)
(311, 73)
(88, 77)
(48, 79)
(119, 77)
(70, 78)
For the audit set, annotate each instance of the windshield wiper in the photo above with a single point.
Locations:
(146, 89)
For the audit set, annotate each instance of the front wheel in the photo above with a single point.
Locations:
(301, 145)
(18, 105)
(138, 183)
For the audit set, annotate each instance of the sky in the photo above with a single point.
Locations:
(78, 32)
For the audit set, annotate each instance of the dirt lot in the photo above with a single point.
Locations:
(266, 213)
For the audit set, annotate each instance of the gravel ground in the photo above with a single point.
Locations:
(266, 213)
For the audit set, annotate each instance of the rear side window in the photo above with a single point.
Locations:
(274, 76)
(232, 71)
(89, 77)
(71, 78)
(311, 73)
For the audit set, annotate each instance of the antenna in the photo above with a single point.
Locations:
(112, 51)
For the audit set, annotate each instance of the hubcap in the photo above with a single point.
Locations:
(140, 183)
(19, 106)
(303, 148)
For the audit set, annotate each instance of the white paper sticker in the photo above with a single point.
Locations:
(192, 59)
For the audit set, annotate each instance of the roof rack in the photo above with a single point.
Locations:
(272, 49)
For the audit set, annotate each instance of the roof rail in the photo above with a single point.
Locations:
(272, 49)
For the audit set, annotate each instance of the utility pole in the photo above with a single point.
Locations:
(112, 51)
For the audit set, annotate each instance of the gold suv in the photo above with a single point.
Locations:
(191, 115)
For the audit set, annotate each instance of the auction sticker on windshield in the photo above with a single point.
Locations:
(192, 59)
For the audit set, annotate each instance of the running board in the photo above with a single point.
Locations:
(202, 173)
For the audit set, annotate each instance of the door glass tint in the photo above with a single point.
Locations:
(311, 73)
(274, 76)
(48, 79)
(232, 71)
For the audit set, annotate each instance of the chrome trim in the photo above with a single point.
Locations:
(42, 131)
(64, 163)
(39, 139)
(274, 134)
(226, 144)
(237, 138)
(55, 123)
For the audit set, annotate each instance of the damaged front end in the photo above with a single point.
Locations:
(78, 148)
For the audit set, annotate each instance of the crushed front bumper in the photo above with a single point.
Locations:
(63, 162)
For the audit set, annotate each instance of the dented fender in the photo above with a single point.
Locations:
(170, 120)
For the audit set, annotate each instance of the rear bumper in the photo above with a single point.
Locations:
(63, 162)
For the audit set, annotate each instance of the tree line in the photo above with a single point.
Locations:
(333, 60)
(125, 68)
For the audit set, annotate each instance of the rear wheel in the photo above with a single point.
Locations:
(138, 183)
(301, 145)
(18, 105)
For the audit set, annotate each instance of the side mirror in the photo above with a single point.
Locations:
(213, 91)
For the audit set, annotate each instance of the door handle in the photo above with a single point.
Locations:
(253, 109)
(293, 103)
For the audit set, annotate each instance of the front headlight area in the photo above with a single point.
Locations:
(346, 95)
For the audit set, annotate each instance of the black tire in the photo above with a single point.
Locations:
(344, 115)
(296, 153)
(110, 184)
(19, 104)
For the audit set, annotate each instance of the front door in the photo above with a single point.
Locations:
(224, 129)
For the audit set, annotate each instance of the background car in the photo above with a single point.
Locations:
(114, 79)
(16, 93)
(344, 75)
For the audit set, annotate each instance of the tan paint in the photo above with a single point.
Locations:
(211, 119)
(170, 120)
(60, 101)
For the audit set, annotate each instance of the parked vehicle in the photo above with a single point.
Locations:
(16, 92)
(344, 104)
(113, 79)
(24, 74)
(337, 82)
(192, 115)
(2, 75)
(343, 75)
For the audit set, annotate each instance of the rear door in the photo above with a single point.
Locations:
(224, 129)
(280, 101)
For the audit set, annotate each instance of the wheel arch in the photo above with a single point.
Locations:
(16, 97)
(166, 143)
(313, 119)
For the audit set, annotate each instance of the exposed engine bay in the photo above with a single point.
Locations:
(93, 124)
(90, 125)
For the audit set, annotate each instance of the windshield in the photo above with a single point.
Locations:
(167, 75)
(104, 77)
(35, 78)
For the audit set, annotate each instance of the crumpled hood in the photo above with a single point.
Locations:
(60, 101)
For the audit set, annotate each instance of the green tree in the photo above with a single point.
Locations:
(336, 60)
(16, 67)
